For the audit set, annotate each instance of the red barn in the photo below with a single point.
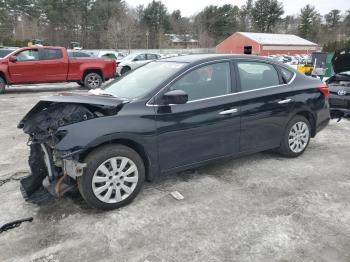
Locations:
(266, 44)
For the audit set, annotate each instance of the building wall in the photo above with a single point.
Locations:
(235, 45)
(288, 50)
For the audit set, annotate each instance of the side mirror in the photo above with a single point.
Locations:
(135, 60)
(175, 97)
(13, 59)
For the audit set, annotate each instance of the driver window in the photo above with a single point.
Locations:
(28, 55)
(205, 82)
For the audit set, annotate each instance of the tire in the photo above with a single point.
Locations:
(106, 191)
(296, 138)
(2, 85)
(92, 81)
(125, 70)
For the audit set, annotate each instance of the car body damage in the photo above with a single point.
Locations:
(53, 172)
(339, 85)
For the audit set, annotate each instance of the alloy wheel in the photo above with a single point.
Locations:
(93, 81)
(115, 180)
(299, 136)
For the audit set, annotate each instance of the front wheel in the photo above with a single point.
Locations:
(296, 137)
(92, 81)
(2, 85)
(113, 177)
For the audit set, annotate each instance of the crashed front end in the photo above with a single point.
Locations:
(54, 172)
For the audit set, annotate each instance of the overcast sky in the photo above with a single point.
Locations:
(190, 7)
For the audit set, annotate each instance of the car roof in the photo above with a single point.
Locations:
(200, 58)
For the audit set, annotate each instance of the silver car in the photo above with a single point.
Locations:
(134, 61)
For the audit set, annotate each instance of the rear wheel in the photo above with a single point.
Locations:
(92, 81)
(2, 85)
(113, 177)
(296, 137)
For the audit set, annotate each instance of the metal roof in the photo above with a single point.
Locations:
(277, 39)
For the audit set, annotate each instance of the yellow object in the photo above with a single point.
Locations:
(30, 44)
(305, 69)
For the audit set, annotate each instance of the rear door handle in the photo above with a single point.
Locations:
(229, 112)
(286, 101)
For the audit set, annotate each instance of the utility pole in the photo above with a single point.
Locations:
(147, 34)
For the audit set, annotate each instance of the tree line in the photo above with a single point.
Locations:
(115, 24)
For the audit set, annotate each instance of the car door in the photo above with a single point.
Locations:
(54, 65)
(265, 104)
(204, 128)
(26, 68)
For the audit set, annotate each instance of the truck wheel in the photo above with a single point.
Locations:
(296, 138)
(2, 85)
(113, 177)
(92, 81)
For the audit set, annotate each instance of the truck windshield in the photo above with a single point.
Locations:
(142, 81)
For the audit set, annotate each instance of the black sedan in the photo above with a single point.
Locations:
(169, 115)
(339, 85)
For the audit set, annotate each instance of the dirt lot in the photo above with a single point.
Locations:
(257, 208)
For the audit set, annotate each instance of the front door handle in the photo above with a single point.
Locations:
(286, 101)
(229, 112)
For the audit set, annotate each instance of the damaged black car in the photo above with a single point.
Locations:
(167, 116)
(339, 85)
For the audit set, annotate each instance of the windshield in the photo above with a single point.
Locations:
(143, 80)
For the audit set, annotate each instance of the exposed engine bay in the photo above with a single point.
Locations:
(53, 175)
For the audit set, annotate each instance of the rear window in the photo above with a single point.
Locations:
(256, 75)
(51, 54)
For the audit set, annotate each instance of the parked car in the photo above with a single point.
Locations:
(51, 64)
(339, 85)
(170, 115)
(4, 51)
(77, 54)
(108, 54)
(134, 61)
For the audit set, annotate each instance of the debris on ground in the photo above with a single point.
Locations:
(177, 195)
(14, 224)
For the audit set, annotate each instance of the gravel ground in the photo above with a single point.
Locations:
(257, 208)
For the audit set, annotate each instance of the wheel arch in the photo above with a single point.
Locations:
(92, 70)
(129, 143)
(310, 117)
(3, 76)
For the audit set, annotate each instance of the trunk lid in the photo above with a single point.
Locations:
(341, 61)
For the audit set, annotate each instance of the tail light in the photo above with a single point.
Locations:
(324, 90)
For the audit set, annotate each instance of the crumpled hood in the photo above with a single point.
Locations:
(341, 61)
(77, 98)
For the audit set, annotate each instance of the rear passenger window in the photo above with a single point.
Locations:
(256, 75)
(286, 75)
(51, 54)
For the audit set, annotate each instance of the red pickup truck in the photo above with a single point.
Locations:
(51, 64)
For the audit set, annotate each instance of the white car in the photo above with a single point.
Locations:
(109, 54)
(134, 61)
